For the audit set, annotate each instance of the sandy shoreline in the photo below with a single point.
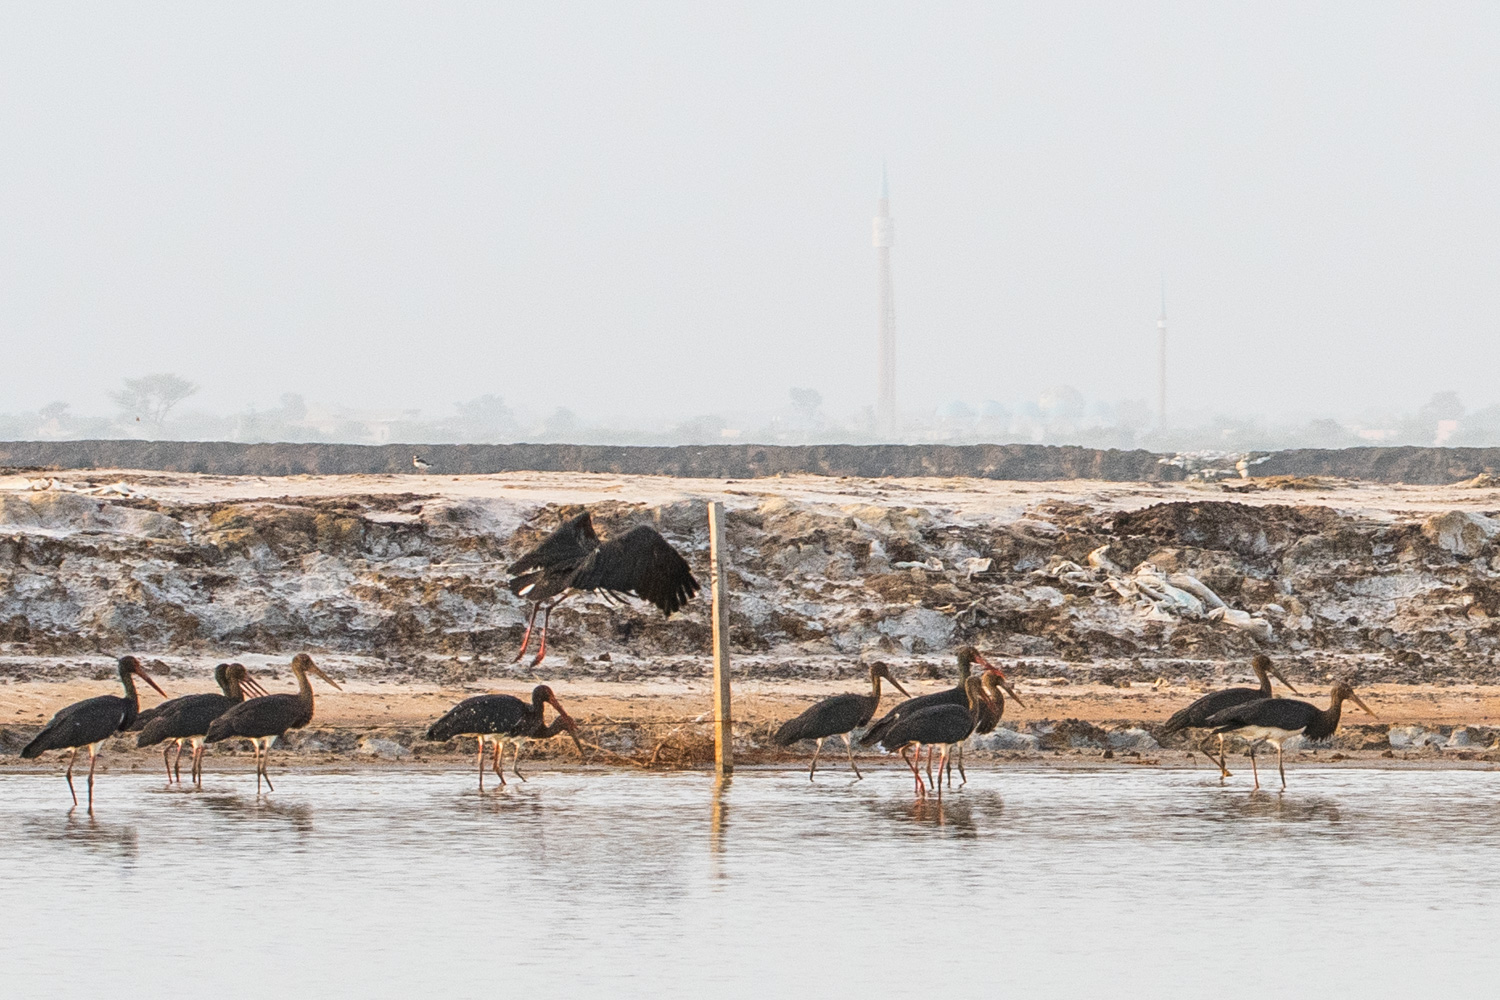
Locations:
(627, 724)
(762, 702)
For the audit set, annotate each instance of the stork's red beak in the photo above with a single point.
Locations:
(1010, 690)
(147, 678)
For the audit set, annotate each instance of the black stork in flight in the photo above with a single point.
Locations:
(1196, 715)
(942, 725)
(262, 720)
(501, 719)
(572, 560)
(90, 722)
(837, 716)
(967, 657)
(1276, 720)
(189, 717)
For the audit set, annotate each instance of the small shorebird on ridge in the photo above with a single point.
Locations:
(420, 464)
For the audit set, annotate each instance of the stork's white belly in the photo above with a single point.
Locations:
(1266, 733)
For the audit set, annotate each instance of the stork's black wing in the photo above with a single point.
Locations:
(639, 562)
(1198, 713)
(559, 554)
(79, 724)
(949, 696)
(1278, 713)
(570, 543)
(486, 713)
(272, 715)
(183, 718)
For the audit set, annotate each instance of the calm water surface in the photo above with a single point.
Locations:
(408, 883)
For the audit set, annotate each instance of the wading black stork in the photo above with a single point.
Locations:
(943, 725)
(501, 719)
(991, 711)
(1276, 720)
(967, 657)
(571, 560)
(1196, 715)
(837, 716)
(189, 717)
(261, 720)
(90, 722)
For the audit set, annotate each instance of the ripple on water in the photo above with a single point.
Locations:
(386, 883)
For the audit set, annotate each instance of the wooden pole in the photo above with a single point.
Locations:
(723, 713)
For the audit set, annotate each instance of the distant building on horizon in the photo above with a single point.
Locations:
(884, 238)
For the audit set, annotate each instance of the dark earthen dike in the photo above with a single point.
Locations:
(1023, 462)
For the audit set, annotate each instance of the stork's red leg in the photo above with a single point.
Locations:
(1253, 769)
(93, 759)
(480, 761)
(1223, 769)
(849, 749)
(541, 651)
(71, 789)
(526, 639)
(929, 764)
(265, 763)
(814, 768)
(166, 749)
(914, 772)
(177, 763)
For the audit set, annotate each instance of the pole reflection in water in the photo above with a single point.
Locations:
(718, 821)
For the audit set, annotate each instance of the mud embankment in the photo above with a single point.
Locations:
(1013, 461)
(1016, 462)
(414, 584)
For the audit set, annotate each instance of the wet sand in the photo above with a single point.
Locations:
(365, 703)
(679, 710)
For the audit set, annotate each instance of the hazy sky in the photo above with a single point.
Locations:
(665, 208)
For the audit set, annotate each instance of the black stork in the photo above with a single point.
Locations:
(991, 711)
(571, 560)
(943, 725)
(967, 657)
(189, 717)
(837, 716)
(262, 720)
(504, 718)
(90, 722)
(1196, 715)
(1276, 720)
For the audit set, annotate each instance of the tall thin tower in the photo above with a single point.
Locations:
(885, 238)
(1161, 361)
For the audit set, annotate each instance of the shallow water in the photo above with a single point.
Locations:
(396, 883)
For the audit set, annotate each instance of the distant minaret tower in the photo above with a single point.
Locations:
(885, 237)
(1161, 361)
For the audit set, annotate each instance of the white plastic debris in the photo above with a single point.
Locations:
(1155, 586)
(1244, 621)
(1197, 588)
(1160, 596)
